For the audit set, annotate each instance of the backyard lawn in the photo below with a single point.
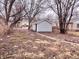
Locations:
(24, 44)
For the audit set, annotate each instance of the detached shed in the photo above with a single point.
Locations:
(42, 26)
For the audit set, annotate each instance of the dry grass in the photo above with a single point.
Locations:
(74, 33)
(29, 45)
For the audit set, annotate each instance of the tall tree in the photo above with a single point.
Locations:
(33, 8)
(12, 11)
(64, 10)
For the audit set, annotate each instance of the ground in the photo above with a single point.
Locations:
(72, 36)
(24, 44)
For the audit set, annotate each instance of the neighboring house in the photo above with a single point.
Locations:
(76, 25)
(23, 23)
(42, 26)
(56, 25)
(70, 26)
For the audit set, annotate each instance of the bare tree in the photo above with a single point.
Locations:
(64, 10)
(33, 8)
(12, 11)
(17, 13)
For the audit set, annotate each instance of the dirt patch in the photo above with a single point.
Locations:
(66, 37)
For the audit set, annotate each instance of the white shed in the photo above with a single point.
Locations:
(42, 26)
(76, 25)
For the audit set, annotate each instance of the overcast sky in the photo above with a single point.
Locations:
(50, 12)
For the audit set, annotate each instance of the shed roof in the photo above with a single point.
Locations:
(40, 21)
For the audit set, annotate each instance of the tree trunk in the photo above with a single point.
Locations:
(10, 30)
(29, 25)
(63, 31)
(62, 28)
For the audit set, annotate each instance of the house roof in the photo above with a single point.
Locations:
(40, 21)
(76, 22)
